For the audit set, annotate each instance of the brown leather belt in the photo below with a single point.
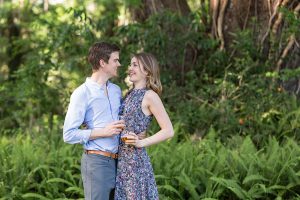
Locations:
(103, 153)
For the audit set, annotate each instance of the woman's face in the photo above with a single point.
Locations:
(136, 71)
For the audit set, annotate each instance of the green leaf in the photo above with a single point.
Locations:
(187, 182)
(233, 186)
(254, 177)
(76, 190)
(171, 189)
(159, 176)
(59, 180)
(34, 196)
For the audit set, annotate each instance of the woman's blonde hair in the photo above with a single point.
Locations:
(151, 66)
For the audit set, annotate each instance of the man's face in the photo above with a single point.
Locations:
(111, 67)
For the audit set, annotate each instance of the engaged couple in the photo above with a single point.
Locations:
(115, 164)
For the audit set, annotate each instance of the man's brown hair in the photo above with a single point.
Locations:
(100, 50)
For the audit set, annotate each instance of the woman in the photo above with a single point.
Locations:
(135, 178)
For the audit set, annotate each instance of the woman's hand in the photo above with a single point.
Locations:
(142, 135)
(133, 139)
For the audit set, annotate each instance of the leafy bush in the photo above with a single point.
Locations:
(43, 167)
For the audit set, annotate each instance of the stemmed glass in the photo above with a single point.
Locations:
(124, 131)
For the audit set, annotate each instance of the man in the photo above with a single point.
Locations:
(96, 103)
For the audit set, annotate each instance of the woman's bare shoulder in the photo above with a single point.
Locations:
(152, 97)
(151, 94)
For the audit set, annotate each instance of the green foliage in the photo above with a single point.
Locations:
(209, 169)
(245, 100)
(232, 93)
(55, 40)
(166, 36)
(39, 167)
(237, 129)
(43, 167)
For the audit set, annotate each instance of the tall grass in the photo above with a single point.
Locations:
(39, 167)
(209, 169)
(43, 167)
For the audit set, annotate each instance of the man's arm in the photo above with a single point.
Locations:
(74, 118)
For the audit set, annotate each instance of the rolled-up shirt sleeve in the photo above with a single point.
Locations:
(72, 134)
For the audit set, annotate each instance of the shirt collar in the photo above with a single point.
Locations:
(92, 83)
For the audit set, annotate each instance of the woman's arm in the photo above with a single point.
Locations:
(155, 106)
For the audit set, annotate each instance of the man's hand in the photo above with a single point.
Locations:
(112, 129)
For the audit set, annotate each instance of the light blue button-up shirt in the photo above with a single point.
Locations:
(90, 105)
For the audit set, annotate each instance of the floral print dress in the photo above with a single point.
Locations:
(135, 178)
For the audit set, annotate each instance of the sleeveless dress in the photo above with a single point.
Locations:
(135, 177)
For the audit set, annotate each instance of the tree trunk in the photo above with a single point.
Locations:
(14, 57)
(149, 7)
(179, 6)
(145, 9)
(230, 16)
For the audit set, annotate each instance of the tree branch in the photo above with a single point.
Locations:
(279, 18)
(220, 23)
(289, 46)
(214, 9)
(285, 52)
(271, 22)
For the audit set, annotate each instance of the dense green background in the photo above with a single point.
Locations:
(236, 128)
